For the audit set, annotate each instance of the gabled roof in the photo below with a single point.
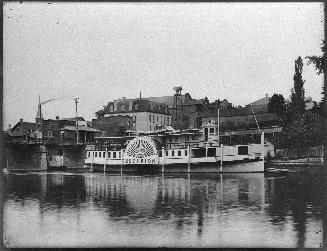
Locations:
(28, 125)
(263, 101)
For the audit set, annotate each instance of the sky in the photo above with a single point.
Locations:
(100, 52)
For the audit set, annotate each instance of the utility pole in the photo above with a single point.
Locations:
(76, 102)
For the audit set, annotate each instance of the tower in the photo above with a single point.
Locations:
(177, 116)
(39, 115)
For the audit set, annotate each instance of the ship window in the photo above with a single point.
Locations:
(99, 154)
(185, 152)
(172, 153)
(96, 154)
(114, 155)
(179, 153)
(160, 153)
(211, 152)
(166, 153)
(50, 158)
(109, 154)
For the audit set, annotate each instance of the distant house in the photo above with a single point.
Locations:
(308, 102)
(24, 129)
(259, 106)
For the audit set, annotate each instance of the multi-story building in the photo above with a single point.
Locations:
(147, 115)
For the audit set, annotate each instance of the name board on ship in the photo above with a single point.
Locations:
(141, 151)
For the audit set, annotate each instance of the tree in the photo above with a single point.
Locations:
(297, 93)
(318, 61)
(100, 114)
(276, 104)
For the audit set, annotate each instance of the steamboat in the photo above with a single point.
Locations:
(168, 150)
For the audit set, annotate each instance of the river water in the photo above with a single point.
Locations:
(62, 209)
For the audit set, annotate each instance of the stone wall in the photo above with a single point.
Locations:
(26, 158)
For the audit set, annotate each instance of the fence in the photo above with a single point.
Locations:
(307, 152)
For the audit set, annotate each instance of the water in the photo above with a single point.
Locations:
(198, 210)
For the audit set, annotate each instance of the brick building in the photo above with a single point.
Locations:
(114, 125)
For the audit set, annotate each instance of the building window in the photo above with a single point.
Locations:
(160, 153)
(164, 120)
(157, 119)
(104, 154)
(150, 118)
(212, 130)
(172, 153)
(176, 139)
(153, 119)
(166, 153)
(111, 108)
(185, 152)
(179, 153)
(120, 155)
(114, 155)
(136, 107)
(193, 137)
(122, 108)
(88, 154)
(109, 154)
(50, 158)
(161, 119)
(168, 120)
(150, 128)
(96, 154)
(99, 154)
(187, 138)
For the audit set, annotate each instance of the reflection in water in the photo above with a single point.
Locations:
(213, 210)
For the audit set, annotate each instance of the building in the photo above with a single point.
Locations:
(146, 114)
(24, 130)
(259, 106)
(114, 125)
(65, 131)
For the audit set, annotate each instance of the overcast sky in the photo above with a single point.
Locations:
(104, 51)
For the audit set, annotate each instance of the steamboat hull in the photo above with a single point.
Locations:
(245, 166)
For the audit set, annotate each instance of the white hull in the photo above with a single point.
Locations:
(181, 160)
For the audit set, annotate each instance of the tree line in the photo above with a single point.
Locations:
(301, 127)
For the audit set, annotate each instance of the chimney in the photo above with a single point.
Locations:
(9, 127)
(57, 117)
(21, 120)
(266, 95)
